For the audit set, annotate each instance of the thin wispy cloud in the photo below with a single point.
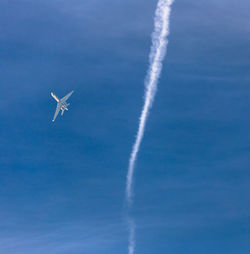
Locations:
(90, 236)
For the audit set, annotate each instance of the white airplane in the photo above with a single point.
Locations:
(61, 104)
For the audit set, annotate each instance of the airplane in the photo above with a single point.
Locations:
(61, 104)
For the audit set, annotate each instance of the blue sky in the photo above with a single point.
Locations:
(62, 184)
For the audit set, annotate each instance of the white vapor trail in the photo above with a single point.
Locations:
(157, 54)
(131, 240)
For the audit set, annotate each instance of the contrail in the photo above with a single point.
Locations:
(131, 240)
(157, 54)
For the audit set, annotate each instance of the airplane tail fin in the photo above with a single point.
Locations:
(55, 97)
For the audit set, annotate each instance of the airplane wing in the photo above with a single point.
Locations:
(57, 111)
(66, 97)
